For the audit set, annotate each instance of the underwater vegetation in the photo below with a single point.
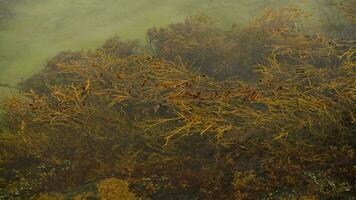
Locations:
(264, 111)
(349, 9)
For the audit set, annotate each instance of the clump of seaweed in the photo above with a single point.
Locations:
(118, 48)
(220, 53)
(48, 196)
(114, 189)
(248, 186)
(349, 9)
(196, 41)
(176, 123)
(114, 47)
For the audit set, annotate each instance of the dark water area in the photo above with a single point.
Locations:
(181, 100)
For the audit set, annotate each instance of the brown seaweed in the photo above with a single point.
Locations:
(279, 124)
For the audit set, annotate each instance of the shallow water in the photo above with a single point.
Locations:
(34, 31)
(248, 108)
(39, 29)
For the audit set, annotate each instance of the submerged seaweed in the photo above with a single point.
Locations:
(265, 111)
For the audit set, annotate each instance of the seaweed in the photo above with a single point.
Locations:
(169, 121)
(348, 8)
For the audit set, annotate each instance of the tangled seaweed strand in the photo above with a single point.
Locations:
(114, 189)
(349, 9)
(167, 124)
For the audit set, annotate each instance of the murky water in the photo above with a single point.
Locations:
(220, 99)
(39, 29)
(32, 32)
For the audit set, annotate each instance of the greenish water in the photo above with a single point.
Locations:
(240, 109)
(31, 32)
